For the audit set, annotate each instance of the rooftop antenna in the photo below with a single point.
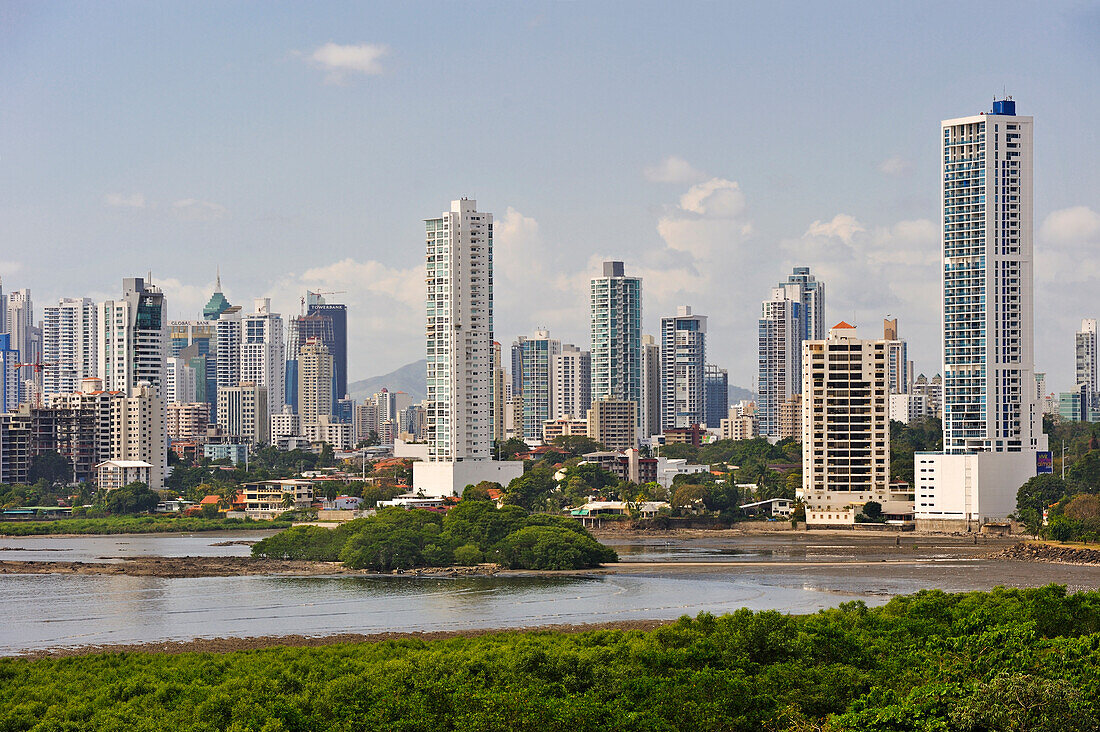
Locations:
(218, 280)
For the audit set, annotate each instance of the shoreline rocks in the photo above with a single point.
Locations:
(1029, 551)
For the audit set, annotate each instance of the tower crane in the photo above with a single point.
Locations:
(319, 292)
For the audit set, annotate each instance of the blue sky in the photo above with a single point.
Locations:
(709, 146)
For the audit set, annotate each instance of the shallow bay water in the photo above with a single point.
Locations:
(665, 578)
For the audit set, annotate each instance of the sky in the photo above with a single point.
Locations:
(709, 146)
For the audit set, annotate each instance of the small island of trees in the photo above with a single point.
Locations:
(472, 532)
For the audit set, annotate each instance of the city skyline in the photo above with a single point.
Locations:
(707, 202)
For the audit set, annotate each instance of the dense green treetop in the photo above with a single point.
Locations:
(473, 531)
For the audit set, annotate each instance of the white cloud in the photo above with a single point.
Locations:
(184, 300)
(716, 197)
(341, 60)
(673, 169)
(842, 226)
(895, 166)
(192, 209)
(122, 200)
(1071, 226)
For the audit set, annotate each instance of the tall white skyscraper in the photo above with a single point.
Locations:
(19, 321)
(263, 354)
(683, 358)
(651, 387)
(70, 341)
(1085, 362)
(571, 388)
(133, 339)
(228, 348)
(779, 359)
(804, 287)
(992, 423)
(460, 333)
(459, 316)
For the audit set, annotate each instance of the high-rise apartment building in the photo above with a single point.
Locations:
(616, 327)
(138, 431)
(614, 423)
(898, 377)
(187, 422)
(459, 348)
(804, 287)
(683, 365)
(70, 339)
(992, 424)
(1085, 364)
(9, 374)
(717, 385)
(498, 395)
(571, 383)
(228, 350)
(932, 391)
(459, 333)
(845, 428)
(794, 312)
(133, 339)
(181, 380)
(19, 323)
(243, 413)
(651, 387)
(531, 360)
(314, 386)
(263, 358)
(779, 359)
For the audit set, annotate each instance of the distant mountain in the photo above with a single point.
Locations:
(737, 393)
(410, 378)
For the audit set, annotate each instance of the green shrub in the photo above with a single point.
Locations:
(552, 547)
(468, 555)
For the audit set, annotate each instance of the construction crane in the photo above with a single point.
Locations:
(39, 367)
(319, 292)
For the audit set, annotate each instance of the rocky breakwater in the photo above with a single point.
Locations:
(1057, 554)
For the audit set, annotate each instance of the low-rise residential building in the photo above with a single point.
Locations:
(625, 465)
(783, 507)
(564, 427)
(692, 435)
(114, 474)
(267, 499)
(237, 454)
(187, 421)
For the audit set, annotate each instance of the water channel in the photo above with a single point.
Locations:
(666, 579)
